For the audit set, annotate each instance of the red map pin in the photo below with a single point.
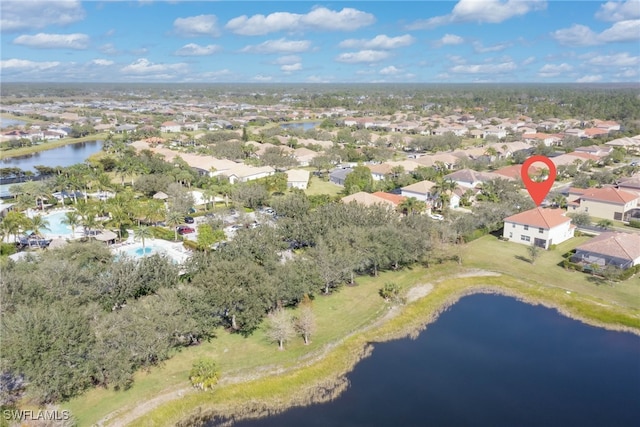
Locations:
(538, 190)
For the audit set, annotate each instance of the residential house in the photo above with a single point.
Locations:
(595, 150)
(367, 199)
(170, 127)
(619, 249)
(547, 139)
(382, 170)
(422, 191)
(338, 176)
(297, 178)
(541, 227)
(631, 184)
(304, 155)
(244, 173)
(605, 203)
(468, 178)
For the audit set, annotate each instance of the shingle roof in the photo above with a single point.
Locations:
(614, 244)
(368, 199)
(540, 217)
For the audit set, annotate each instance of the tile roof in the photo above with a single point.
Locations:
(540, 217)
(368, 200)
(422, 187)
(605, 195)
(396, 199)
(614, 244)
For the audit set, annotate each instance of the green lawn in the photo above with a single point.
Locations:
(512, 258)
(318, 186)
(337, 315)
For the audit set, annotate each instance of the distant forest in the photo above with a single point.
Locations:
(611, 101)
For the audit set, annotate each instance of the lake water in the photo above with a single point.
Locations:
(5, 123)
(488, 361)
(66, 155)
(304, 126)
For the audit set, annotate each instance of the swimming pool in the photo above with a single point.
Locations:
(175, 251)
(56, 227)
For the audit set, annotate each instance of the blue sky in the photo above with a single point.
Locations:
(332, 41)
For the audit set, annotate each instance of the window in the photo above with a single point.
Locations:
(525, 238)
(510, 235)
(526, 227)
(541, 230)
(513, 225)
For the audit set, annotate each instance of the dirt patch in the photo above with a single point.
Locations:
(418, 292)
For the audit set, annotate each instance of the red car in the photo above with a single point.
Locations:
(183, 229)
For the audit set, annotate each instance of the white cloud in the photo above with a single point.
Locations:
(30, 15)
(144, 67)
(529, 60)
(287, 60)
(581, 35)
(102, 62)
(215, 75)
(390, 70)
(617, 60)
(481, 11)
(484, 68)
(553, 70)
(623, 31)
(262, 78)
(24, 64)
(288, 68)
(279, 46)
(362, 56)
(319, 19)
(576, 35)
(478, 47)
(197, 26)
(614, 11)
(450, 39)
(54, 41)
(456, 59)
(589, 79)
(193, 49)
(108, 49)
(381, 41)
(628, 73)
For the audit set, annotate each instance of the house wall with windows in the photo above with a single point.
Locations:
(535, 233)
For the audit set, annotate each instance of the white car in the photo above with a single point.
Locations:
(437, 217)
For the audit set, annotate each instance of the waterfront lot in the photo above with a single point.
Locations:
(512, 258)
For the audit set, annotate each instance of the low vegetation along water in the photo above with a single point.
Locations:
(66, 155)
(489, 360)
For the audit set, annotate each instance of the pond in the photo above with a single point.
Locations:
(5, 122)
(304, 126)
(66, 155)
(488, 361)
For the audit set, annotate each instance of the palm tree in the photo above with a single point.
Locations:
(411, 205)
(604, 223)
(174, 219)
(90, 223)
(13, 223)
(38, 223)
(72, 219)
(143, 232)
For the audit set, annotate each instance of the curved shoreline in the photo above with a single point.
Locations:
(325, 379)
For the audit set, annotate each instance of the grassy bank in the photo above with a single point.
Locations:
(257, 377)
(240, 358)
(323, 380)
(23, 151)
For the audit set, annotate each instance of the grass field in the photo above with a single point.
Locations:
(512, 258)
(318, 186)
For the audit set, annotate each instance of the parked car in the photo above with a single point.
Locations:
(183, 229)
(189, 220)
(437, 217)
